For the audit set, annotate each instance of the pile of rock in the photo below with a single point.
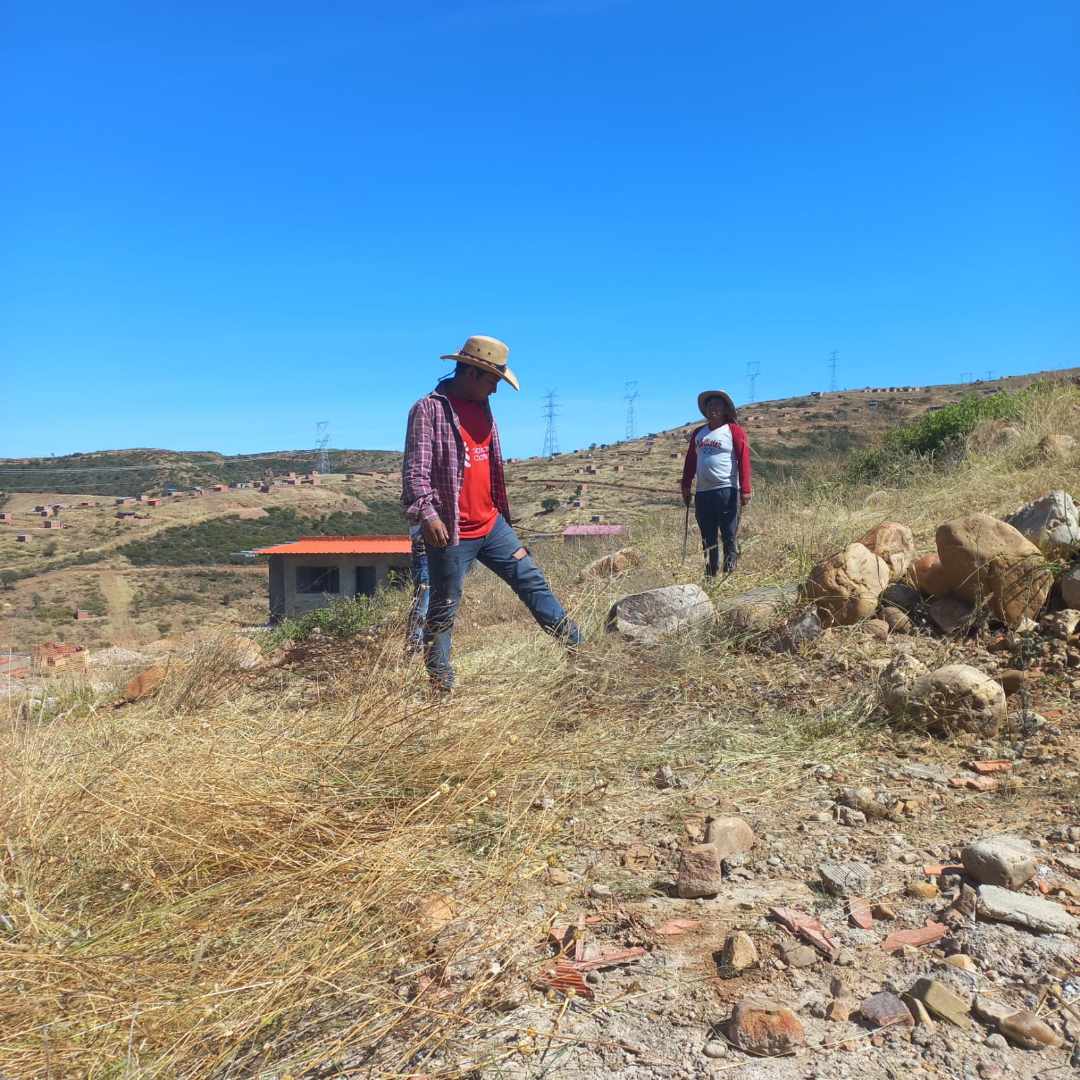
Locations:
(983, 568)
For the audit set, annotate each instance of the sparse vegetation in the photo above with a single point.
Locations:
(220, 540)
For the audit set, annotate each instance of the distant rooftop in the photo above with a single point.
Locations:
(342, 545)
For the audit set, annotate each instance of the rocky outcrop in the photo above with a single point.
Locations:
(986, 561)
(847, 585)
(617, 562)
(1055, 448)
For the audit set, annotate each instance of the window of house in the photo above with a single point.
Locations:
(317, 579)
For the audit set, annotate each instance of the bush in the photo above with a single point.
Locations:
(934, 437)
(549, 504)
(340, 620)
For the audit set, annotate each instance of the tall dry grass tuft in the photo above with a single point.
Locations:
(246, 875)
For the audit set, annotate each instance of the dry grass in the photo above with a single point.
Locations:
(229, 880)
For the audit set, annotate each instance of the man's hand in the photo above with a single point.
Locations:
(686, 496)
(744, 500)
(435, 532)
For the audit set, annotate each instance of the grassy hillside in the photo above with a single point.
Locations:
(134, 472)
(220, 539)
(315, 869)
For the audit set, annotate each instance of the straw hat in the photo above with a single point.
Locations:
(488, 354)
(706, 394)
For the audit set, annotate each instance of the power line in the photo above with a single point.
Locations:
(753, 370)
(630, 397)
(832, 370)
(967, 376)
(322, 440)
(551, 438)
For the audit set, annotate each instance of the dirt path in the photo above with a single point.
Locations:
(118, 594)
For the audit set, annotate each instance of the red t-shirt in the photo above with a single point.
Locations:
(476, 508)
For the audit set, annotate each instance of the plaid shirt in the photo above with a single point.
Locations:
(434, 465)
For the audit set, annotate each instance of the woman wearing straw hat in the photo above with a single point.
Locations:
(453, 487)
(718, 457)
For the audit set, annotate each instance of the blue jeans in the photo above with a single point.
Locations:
(414, 633)
(717, 512)
(447, 568)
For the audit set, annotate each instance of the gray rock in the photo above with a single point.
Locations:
(950, 614)
(729, 835)
(799, 956)
(1061, 624)
(846, 879)
(957, 697)
(902, 596)
(990, 1011)
(797, 631)
(943, 1002)
(649, 616)
(715, 1048)
(1003, 860)
(885, 1009)
(1028, 912)
(756, 609)
(1051, 523)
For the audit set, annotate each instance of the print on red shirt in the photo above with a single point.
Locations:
(476, 508)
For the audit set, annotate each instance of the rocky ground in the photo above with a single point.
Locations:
(912, 912)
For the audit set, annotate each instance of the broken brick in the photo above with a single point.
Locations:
(923, 935)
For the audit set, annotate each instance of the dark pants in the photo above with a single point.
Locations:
(447, 568)
(717, 512)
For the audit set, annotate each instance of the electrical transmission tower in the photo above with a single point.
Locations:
(322, 440)
(753, 370)
(967, 376)
(551, 439)
(832, 370)
(990, 375)
(630, 397)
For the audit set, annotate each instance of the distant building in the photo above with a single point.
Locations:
(52, 523)
(22, 538)
(153, 502)
(220, 487)
(81, 615)
(6, 519)
(316, 570)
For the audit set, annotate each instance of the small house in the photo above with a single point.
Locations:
(52, 523)
(7, 519)
(22, 538)
(153, 502)
(314, 571)
(220, 487)
(82, 615)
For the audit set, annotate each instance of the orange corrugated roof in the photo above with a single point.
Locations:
(342, 545)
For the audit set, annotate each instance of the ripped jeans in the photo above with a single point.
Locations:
(447, 568)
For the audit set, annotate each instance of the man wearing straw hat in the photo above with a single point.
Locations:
(718, 458)
(453, 486)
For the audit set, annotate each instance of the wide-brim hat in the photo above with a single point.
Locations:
(706, 394)
(488, 354)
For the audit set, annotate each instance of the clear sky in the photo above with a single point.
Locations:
(221, 223)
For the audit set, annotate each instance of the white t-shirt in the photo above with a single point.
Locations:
(716, 467)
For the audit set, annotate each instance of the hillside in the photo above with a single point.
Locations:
(301, 864)
(136, 472)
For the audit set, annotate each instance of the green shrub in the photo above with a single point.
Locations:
(935, 437)
(340, 620)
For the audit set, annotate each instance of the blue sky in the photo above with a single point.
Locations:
(222, 223)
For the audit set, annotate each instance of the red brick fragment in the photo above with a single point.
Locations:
(923, 935)
(674, 927)
(987, 767)
(859, 913)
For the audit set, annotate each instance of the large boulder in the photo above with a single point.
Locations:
(926, 575)
(1051, 523)
(985, 560)
(894, 543)
(955, 698)
(649, 616)
(847, 585)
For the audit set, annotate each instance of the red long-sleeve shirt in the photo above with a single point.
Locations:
(740, 450)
